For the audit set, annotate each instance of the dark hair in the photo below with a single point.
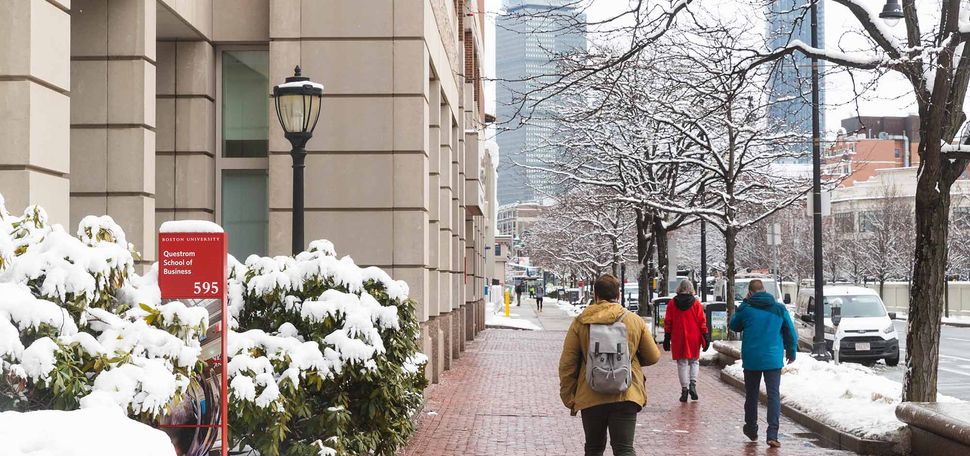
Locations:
(755, 286)
(607, 288)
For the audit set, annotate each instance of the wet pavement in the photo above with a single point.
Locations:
(502, 398)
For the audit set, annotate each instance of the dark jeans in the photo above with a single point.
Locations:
(539, 303)
(752, 386)
(518, 299)
(620, 419)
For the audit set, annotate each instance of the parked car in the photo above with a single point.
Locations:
(631, 294)
(867, 329)
(741, 288)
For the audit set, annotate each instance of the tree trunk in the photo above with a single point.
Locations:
(929, 270)
(882, 284)
(730, 246)
(663, 261)
(644, 248)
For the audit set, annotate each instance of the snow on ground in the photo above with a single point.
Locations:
(101, 431)
(495, 317)
(710, 354)
(569, 308)
(848, 397)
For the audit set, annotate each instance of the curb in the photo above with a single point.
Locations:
(957, 325)
(841, 440)
(487, 326)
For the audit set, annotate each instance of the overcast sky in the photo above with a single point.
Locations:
(891, 96)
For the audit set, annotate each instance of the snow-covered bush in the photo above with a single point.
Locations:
(325, 355)
(71, 328)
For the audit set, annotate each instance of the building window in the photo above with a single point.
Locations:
(868, 221)
(243, 114)
(498, 250)
(244, 211)
(844, 222)
(245, 103)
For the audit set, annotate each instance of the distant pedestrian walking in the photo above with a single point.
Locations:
(600, 372)
(685, 333)
(540, 293)
(518, 293)
(532, 292)
(768, 338)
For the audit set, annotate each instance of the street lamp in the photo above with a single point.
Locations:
(819, 350)
(891, 13)
(298, 109)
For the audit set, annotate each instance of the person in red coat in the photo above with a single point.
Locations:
(685, 333)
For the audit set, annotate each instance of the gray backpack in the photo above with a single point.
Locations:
(608, 363)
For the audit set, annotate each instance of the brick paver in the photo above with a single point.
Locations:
(502, 398)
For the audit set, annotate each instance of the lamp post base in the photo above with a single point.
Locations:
(820, 352)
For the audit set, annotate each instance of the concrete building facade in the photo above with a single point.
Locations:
(157, 110)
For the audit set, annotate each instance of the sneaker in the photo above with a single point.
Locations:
(774, 443)
(750, 433)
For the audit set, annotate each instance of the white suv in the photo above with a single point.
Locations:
(867, 329)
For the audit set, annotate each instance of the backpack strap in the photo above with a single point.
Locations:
(622, 316)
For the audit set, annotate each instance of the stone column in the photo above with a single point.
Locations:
(113, 116)
(435, 353)
(35, 106)
(446, 298)
(185, 136)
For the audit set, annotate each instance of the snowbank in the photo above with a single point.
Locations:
(101, 431)
(495, 317)
(848, 397)
(570, 309)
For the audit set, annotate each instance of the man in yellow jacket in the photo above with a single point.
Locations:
(602, 413)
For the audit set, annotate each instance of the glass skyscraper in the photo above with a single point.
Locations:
(527, 37)
(790, 89)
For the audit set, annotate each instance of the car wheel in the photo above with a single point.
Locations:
(894, 361)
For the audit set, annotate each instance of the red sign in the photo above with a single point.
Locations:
(192, 265)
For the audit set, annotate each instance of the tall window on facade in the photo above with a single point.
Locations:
(245, 104)
(243, 161)
(868, 221)
(844, 222)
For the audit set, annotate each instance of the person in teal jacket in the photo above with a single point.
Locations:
(768, 338)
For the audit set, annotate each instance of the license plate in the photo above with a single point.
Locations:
(863, 346)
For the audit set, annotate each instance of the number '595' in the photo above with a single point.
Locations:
(205, 288)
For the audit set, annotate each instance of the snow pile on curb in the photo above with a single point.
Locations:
(709, 355)
(570, 309)
(848, 397)
(102, 431)
(495, 318)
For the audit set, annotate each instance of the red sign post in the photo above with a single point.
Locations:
(192, 266)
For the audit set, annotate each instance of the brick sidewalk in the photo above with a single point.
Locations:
(502, 398)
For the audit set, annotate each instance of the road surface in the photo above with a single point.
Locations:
(954, 377)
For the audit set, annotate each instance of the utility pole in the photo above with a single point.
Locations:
(819, 350)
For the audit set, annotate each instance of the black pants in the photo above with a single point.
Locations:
(539, 303)
(518, 299)
(620, 419)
